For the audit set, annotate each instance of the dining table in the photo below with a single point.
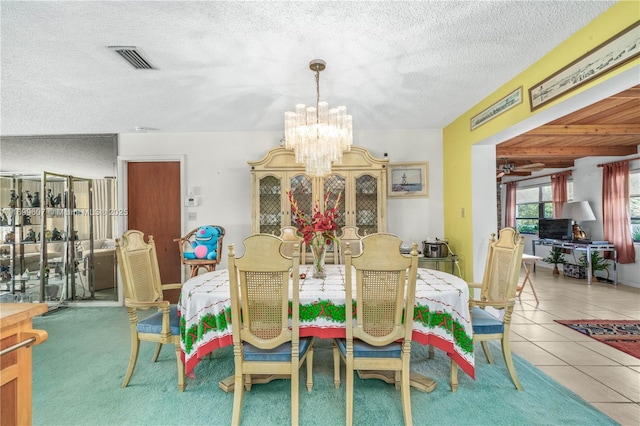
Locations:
(441, 316)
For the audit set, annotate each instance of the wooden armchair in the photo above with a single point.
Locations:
(203, 235)
(264, 343)
(138, 264)
(380, 338)
(498, 291)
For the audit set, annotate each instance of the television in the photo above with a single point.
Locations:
(555, 229)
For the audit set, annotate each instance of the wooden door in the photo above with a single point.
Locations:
(153, 201)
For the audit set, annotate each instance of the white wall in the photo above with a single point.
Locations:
(216, 167)
(483, 178)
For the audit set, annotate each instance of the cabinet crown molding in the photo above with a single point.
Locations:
(283, 159)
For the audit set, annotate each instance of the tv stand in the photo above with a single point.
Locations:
(583, 246)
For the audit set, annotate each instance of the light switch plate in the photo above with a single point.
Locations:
(192, 216)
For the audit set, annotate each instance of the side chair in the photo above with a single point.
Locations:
(264, 343)
(138, 264)
(210, 238)
(290, 237)
(349, 235)
(497, 291)
(379, 338)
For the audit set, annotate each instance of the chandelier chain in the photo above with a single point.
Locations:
(317, 92)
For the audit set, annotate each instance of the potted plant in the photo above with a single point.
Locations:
(556, 256)
(598, 263)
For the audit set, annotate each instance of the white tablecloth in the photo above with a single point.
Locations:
(441, 314)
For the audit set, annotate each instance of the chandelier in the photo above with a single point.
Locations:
(318, 136)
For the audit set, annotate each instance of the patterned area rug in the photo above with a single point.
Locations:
(622, 335)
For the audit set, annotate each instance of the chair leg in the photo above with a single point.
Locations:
(431, 352)
(487, 352)
(405, 391)
(238, 392)
(508, 360)
(238, 395)
(309, 362)
(133, 357)
(349, 385)
(295, 394)
(181, 383)
(454, 376)
(336, 365)
(156, 353)
(194, 271)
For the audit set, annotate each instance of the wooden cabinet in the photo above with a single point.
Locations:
(15, 361)
(360, 178)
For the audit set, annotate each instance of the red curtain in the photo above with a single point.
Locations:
(615, 210)
(558, 193)
(510, 206)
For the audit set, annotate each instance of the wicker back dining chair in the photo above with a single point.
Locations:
(210, 237)
(349, 235)
(290, 237)
(264, 342)
(379, 338)
(138, 264)
(498, 291)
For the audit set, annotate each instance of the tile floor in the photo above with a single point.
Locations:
(607, 378)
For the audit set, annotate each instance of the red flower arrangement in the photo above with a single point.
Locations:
(318, 230)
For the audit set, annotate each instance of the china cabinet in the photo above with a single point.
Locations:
(43, 220)
(360, 178)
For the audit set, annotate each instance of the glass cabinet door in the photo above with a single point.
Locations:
(19, 236)
(366, 204)
(270, 204)
(301, 187)
(335, 184)
(81, 277)
(54, 250)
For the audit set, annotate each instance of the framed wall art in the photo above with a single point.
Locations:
(512, 99)
(619, 49)
(408, 180)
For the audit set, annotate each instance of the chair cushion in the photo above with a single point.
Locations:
(281, 353)
(365, 350)
(485, 323)
(153, 323)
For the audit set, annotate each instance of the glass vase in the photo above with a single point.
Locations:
(319, 251)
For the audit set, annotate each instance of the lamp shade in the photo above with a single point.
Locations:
(579, 211)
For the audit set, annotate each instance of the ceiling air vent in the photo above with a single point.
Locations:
(131, 55)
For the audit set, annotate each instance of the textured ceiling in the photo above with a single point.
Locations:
(238, 66)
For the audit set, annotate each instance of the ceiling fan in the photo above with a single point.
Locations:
(507, 168)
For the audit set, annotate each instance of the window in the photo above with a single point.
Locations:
(534, 203)
(634, 203)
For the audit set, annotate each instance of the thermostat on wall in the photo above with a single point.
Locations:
(191, 202)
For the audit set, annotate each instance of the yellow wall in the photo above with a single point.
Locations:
(458, 139)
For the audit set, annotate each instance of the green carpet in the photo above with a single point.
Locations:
(77, 375)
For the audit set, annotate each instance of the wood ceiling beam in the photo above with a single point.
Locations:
(586, 129)
(573, 152)
(631, 93)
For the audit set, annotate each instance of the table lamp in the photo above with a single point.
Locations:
(578, 211)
